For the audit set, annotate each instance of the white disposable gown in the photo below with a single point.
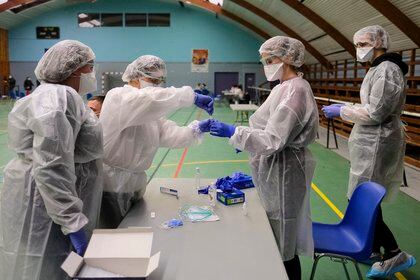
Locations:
(53, 186)
(135, 127)
(282, 166)
(377, 140)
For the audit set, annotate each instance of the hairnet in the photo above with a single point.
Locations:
(375, 35)
(62, 59)
(289, 50)
(149, 66)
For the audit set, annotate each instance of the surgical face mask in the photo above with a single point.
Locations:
(273, 72)
(87, 83)
(364, 54)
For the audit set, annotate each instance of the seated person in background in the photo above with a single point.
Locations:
(198, 89)
(95, 103)
(246, 98)
(204, 89)
(238, 94)
(238, 91)
(28, 85)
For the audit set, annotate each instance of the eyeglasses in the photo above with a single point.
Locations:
(92, 64)
(362, 45)
(269, 60)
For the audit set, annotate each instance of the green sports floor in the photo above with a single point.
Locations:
(216, 158)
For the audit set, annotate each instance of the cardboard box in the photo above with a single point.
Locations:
(115, 253)
(231, 198)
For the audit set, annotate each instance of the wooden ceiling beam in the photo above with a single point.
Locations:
(323, 24)
(13, 3)
(269, 18)
(398, 18)
(218, 10)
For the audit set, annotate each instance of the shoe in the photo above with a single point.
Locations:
(386, 268)
(374, 257)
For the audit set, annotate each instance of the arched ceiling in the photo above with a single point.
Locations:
(325, 27)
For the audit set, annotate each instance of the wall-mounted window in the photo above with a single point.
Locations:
(131, 20)
(89, 20)
(112, 20)
(135, 20)
(159, 19)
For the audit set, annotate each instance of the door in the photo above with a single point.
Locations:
(224, 81)
(249, 81)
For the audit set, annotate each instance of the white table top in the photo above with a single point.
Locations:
(236, 247)
(244, 107)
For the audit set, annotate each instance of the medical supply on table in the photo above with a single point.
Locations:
(241, 181)
(173, 223)
(237, 180)
(245, 209)
(193, 213)
(169, 191)
(232, 197)
(212, 191)
(197, 177)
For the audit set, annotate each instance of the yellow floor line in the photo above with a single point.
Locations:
(340, 214)
(400, 276)
(327, 201)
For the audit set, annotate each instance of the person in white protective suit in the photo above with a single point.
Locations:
(277, 139)
(52, 188)
(377, 140)
(134, 123)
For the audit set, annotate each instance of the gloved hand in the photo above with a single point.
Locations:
(331, 111)
(204, 102)
(338, 104)
(204, 125)
(238, 151)
(79, 241)
(221, 129)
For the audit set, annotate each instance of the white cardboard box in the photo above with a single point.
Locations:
(116, 253)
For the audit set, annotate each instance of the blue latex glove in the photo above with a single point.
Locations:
(173, 223)
(204, 102)
(238, 151)
(221, 129)
(338, 104)
(204, 125)
(331, 111)
(79, 241)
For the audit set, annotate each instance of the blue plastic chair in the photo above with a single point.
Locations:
(352, 238)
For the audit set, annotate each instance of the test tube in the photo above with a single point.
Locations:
(197, 177)
(244, 209)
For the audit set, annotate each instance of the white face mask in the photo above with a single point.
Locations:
(87, 83)
(364, 54)
(273, 72)
(144, 84)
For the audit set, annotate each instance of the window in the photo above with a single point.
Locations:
(132, 20)
(111, 20)
(159, 20)
(88, 20)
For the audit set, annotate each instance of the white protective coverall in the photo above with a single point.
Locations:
(135, 127)
(282, 166)
(53, 186)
